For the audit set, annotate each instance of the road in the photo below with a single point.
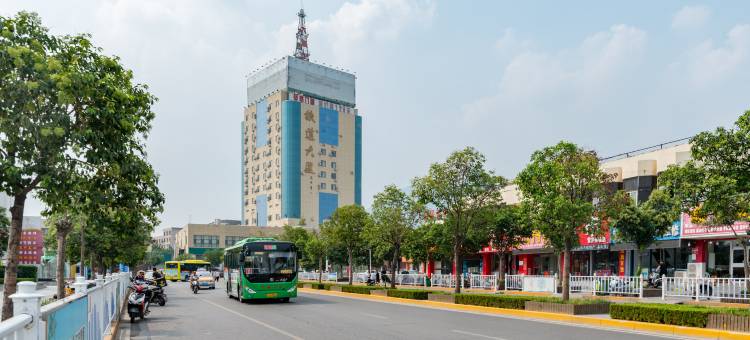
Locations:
(210, 314)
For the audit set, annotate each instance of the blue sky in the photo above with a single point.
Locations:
(433, 76)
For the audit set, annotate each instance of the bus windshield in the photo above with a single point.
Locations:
(271, 265)
(171, 265)
(191, 267)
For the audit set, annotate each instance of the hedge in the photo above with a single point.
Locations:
(408, 294)
(26, 272)
(498, 301)
(679, 315)
(358, 289)
(315, 285)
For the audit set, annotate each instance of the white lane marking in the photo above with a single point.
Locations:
(256, 321)
(475, 334)
(375, 316)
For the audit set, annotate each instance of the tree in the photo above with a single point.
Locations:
(298, 236)
(183, 257)
(559, 188)
(316, 250)
(345, 229)
(69, 114)
(458, 188)
(714, 188)
(60, 226)
(507, 227)
(215, 256)
(395, 214)
(642, 224)
(158, 255)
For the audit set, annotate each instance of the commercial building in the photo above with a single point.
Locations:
(196, 239)
(167, 238)
(31, 248)
(301, 141)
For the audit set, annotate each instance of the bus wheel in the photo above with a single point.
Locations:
(285, 300)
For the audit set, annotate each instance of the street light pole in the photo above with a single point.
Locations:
(369, 255)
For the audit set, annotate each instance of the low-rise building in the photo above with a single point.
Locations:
(196, 239)
(167, 238)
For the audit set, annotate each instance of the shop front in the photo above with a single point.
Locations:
(717, 247)
(667, 249)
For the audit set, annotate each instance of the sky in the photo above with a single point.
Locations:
(505, 77)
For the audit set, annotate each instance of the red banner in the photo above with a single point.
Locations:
(694, 230)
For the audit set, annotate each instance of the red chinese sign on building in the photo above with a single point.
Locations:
(694, 230)
(536, 241)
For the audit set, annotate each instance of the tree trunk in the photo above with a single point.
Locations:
(82, 269)
(63, 228)
(394, 266)
(11, 268)
(501, 266)
(351, 267)
(458, 265)
(566, 273)
(320, 270)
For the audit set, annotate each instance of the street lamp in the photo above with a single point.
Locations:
(369, 256)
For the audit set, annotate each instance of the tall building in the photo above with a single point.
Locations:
(301, 141)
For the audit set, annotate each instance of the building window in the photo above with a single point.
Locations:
(322, 186)
(322, 163)
(323, 151)
(231, 240)
(322, 174)
(334, 187)
(333, 153)
(333, 165)
(333, 175)
(206, 241)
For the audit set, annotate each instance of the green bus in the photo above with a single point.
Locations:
(261, 268)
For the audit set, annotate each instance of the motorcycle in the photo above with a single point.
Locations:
(194, 286)
(157, 294)
(654, 280)
(139, 300)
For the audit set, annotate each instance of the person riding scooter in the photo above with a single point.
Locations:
(194, 282)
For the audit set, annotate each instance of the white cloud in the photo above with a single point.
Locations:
(690, 17)
(577, 78)
(708, 63)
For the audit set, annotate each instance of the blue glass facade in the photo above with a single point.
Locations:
(327, 204)
(261, 123)
(358, 160)
(328, 124)
(261, 212)
(291, 159)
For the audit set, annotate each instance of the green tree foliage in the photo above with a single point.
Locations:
(395, 214)
(158, 255)
(714, 188)
(642, 224)
(72, 130)
(459, 188)
(559, 188)
(298, 236)
(506, 228)
(183, 257)
(215, 256)
(345, 230)
(316, 249)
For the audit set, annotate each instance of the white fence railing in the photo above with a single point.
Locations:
(483, 281)
(88, 312)
(531, 283)
(607, 285)
(312, 276)
(410, 279)
(706, 288)
(443, 280)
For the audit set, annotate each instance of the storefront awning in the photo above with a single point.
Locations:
(656, 245)
(533, 251)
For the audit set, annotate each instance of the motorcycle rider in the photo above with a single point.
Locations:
(193, 279)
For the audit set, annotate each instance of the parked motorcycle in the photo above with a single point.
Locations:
(139, 300)
(157, 294)
(654, 280)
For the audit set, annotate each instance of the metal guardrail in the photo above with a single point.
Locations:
(513, 282)
(312, 276)
(606, 285)
(443, 280)
(706, 288)
(531, 283)
(483, 281)
(411, 279)
(14, 327)
(86, 313)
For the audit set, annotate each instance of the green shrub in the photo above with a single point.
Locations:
(358, 289)
(408, 294)
(24, 271)
(680, 315)
(498, 301)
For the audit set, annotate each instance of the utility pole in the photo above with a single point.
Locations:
(369, 255)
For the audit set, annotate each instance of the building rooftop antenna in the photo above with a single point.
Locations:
(300, 50)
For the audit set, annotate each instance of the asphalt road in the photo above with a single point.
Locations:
(210, 314)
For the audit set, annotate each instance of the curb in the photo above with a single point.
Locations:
(569, 319)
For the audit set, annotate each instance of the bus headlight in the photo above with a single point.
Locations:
(250, 291)
(291, 290)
